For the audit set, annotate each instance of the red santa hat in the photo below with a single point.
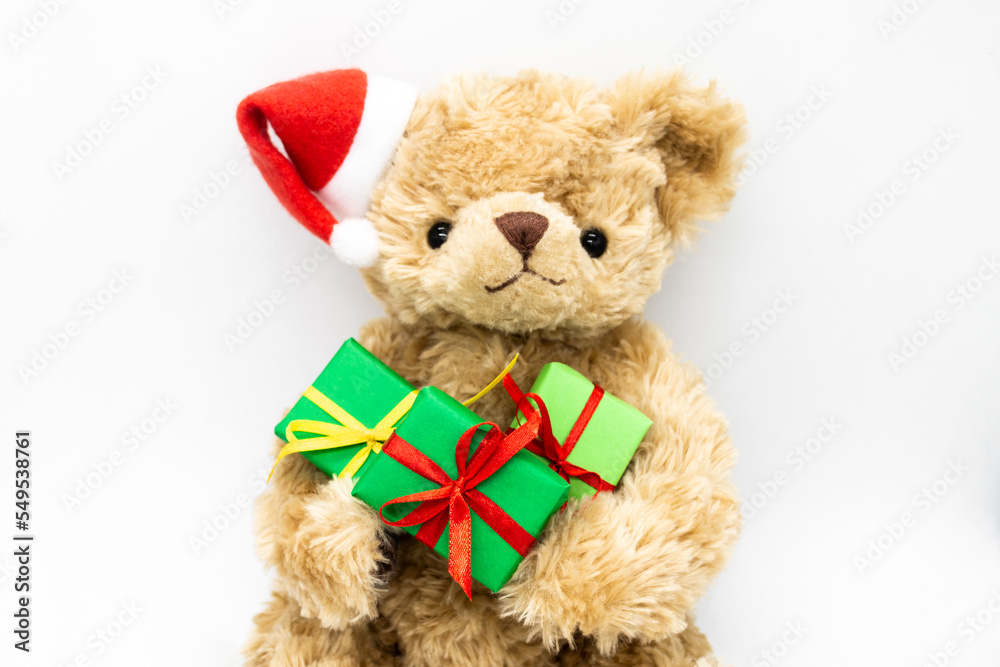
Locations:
(340, 130)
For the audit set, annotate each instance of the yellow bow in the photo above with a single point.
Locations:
(349, 432)
(352, 432)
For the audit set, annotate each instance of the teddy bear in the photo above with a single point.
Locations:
(534, 215)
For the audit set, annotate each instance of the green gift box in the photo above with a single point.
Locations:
(524, 487)
(612, 434)
(366, 389)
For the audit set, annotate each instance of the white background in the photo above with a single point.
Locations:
(189, 282)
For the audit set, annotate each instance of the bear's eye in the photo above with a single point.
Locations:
(594, 242)
(438, 234)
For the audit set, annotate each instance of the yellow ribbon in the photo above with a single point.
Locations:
(352, 432)
(349, 432)
(492, 384)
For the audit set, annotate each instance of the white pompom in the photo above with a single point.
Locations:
(355, 242)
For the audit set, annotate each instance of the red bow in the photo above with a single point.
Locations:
(548, 447)
(450, 504)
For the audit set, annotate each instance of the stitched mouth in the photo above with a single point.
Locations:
(524, 270)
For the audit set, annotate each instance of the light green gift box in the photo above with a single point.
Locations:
(613, 433)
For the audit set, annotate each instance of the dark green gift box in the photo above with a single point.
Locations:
(363, 386)
(525, 487)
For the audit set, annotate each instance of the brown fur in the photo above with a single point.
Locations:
(612, 580)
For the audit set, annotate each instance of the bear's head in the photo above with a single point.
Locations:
(541, 203)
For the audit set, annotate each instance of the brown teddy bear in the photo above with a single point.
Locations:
(531, 214)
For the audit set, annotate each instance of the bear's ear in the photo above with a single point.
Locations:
(696, 132)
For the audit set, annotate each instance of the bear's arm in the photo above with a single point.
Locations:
(330, 551)
(633, 563)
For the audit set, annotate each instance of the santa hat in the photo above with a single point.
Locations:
(340, 130)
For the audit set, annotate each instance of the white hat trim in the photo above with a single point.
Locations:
(388, 105)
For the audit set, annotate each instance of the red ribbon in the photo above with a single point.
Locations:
(450, 504)
(547, 446)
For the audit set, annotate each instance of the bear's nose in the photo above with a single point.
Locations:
(522, 229)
